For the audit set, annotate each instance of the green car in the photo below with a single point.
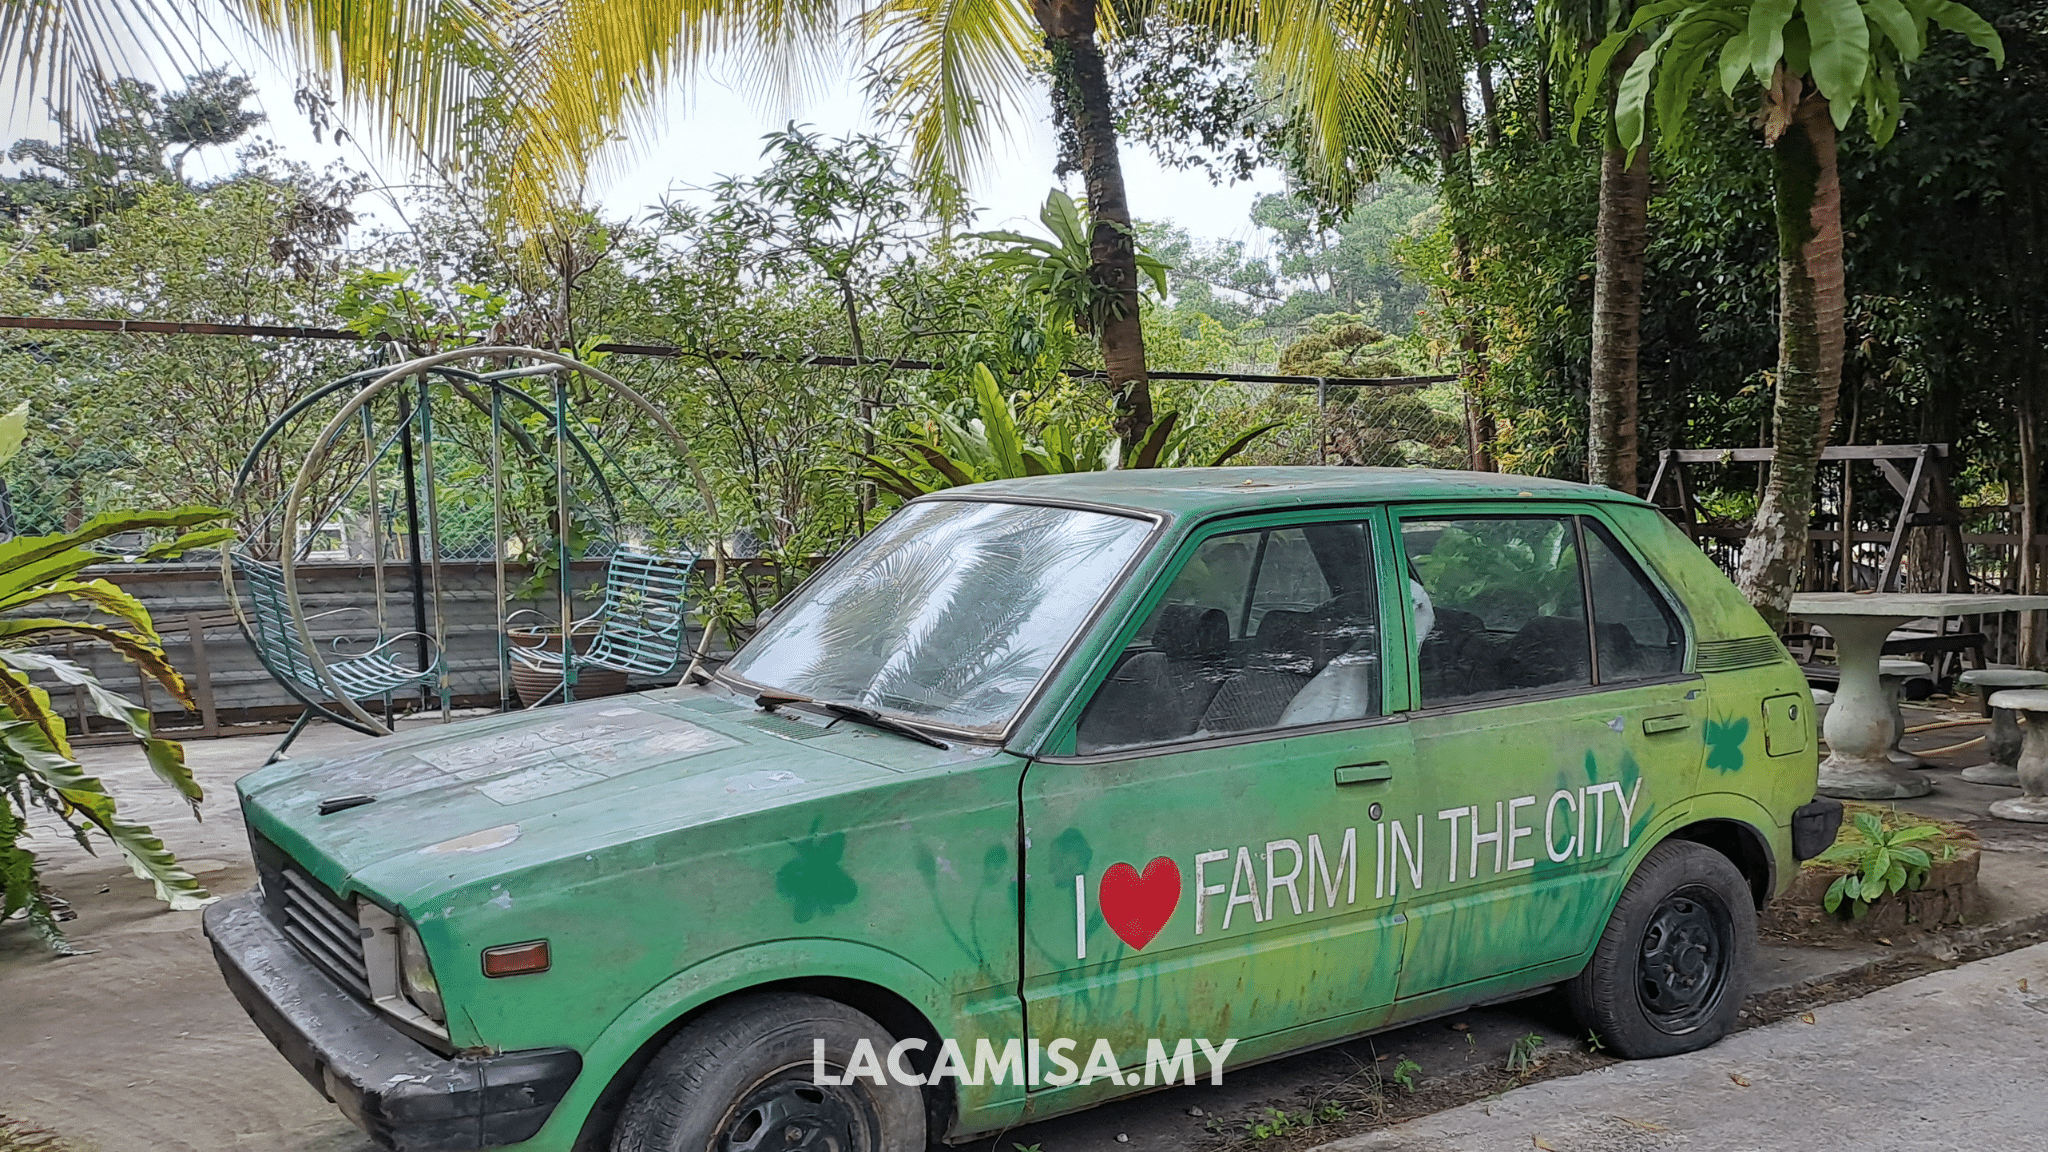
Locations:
(1047, 792)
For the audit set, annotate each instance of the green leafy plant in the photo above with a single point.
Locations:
(1058, 270)
(38, 768)
(992, 446)
(1404, 1074)
(1883, 861)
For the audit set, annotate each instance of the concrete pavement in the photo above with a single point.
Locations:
(1949, 1061)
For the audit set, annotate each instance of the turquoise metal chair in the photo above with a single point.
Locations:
(377, 673)
(641, 626)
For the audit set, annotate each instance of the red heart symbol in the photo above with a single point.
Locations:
(1137, 907)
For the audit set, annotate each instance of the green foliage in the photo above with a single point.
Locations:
(136, 139)
(1341, 344)
(1522, 1058)
(37, 765)
(1404, 1074)
(1059, 271)
(1882, 861)
(1853, 50)
(1480, 563)
(993, 446)
(386, 304)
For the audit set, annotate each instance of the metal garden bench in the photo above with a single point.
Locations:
(641, 626)
(267, 622)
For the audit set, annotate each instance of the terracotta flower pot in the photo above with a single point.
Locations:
(534, 684)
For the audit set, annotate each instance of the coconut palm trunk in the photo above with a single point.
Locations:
(1620, 239)
(1077, 65)
(1811, 307)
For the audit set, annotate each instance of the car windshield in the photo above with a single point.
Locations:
(950, 611)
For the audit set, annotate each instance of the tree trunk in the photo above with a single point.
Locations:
(1811, 305)
(1453, 141)
(1620, 238)
(1069, 27)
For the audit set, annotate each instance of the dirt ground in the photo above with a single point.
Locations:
(138, 1047)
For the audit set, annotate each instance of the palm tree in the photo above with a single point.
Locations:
(1620, 241)
(1814, 62)
(958, 68)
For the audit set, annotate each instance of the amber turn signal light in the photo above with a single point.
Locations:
(516, 959)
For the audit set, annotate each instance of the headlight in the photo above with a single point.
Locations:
(416, 975)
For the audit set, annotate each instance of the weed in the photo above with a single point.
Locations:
(1404, 1074)
(1276, 1122)
(1329, 1112)
(1593, 1043)
(1522, 1054)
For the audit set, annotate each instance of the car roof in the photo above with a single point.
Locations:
(1193, 492)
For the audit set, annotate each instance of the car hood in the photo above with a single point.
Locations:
(481, 797)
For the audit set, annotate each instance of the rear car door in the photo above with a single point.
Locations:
(1201, 865)
(1552, 717)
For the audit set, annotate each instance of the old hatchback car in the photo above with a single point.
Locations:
(1035, 784)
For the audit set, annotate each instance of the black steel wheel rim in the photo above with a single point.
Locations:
(1682, 960)
(787, 1112)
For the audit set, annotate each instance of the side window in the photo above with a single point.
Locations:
(1637, 637)
(1499, 606)
(1266, 629)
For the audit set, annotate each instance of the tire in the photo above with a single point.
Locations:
(740, 1080)
(1671, 969)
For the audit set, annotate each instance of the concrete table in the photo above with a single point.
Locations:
(1859, 725)
(2032, 803)
(2002, 742)
(1892, 676)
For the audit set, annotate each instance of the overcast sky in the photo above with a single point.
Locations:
(716, 131)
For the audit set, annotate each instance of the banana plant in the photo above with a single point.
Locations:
(38, 767)
(991, 446)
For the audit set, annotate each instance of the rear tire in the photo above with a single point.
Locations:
(740, 1079)
(1673, 964)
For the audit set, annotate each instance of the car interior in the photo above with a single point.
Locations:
(1277, 628)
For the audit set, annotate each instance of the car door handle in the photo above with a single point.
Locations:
(1655, 724)
(1372, 773)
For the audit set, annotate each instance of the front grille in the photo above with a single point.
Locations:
(324, 931)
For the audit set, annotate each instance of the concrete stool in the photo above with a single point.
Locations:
(2031, 806)
(2002, 742)
(1893, 674)
(1821, 696)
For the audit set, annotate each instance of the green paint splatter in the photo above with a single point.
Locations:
(1724, 744)
(814, 882)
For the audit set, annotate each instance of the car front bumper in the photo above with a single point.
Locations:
(406, 1096)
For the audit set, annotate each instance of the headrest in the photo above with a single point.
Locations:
(1192, 632)
(1291, 635)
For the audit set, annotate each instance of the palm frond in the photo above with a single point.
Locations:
(956, 70)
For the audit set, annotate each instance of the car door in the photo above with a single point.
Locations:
(1204, 864)
(1552, 718)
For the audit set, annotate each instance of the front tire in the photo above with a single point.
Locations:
(1672, 967)
(740, 1079)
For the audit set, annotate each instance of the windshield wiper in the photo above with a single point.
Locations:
(771, 699)
(874, 719)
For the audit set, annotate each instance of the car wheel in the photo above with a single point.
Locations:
(1670, 971)
(741, 1079)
